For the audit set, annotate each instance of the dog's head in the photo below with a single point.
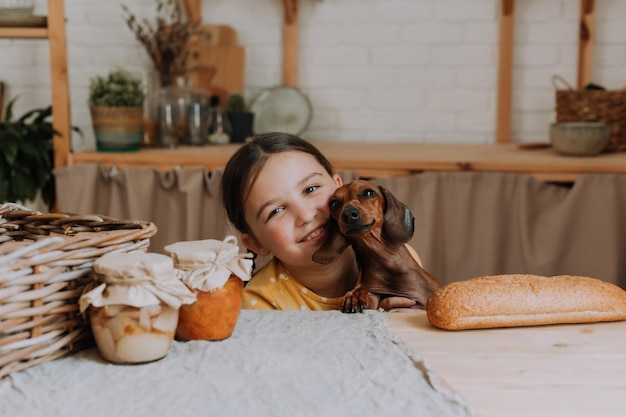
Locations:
(360, 209)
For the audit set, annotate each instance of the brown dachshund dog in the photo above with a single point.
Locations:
(371, 220)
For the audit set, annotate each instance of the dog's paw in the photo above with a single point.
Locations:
(358, 300)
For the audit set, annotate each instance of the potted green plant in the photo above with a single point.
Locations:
(116, 105)
(240, 118)
(27, 157)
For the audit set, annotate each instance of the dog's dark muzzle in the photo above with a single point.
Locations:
(351, 215)
(352, 222)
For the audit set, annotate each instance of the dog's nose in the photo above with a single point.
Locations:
(350, 215)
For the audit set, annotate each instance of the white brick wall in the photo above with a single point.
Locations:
(375, 70)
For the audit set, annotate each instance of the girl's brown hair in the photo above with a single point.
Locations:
(244, 166)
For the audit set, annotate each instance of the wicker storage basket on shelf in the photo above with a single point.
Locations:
(45, 263)
(607, 106)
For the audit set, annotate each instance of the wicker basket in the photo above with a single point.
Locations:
(45, 263)
(608, 106)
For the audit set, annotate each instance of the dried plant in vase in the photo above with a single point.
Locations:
(165, 39)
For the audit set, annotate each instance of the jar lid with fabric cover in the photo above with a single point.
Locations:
(136, 279)
(208, 264)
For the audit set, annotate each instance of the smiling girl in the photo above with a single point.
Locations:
(275, 190)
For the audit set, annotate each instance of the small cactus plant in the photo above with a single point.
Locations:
(235, 103)
(241, 119)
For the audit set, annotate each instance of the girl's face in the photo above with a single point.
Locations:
(287, 208)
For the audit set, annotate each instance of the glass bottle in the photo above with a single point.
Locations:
(218, 129)
(197, 133)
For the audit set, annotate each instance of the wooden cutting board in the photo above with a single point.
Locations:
(217, 62)
(216, 35)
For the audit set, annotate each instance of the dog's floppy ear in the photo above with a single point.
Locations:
(398, 225)
(333, 246)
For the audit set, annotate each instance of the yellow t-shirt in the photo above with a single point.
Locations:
(273, 288)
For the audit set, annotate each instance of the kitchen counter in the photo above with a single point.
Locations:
(558, 370)
(283, 363)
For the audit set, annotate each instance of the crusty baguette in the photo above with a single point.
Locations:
(524, 300)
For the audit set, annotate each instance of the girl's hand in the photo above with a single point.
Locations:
(391, 303)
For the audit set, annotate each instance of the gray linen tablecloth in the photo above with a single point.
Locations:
(277, 363)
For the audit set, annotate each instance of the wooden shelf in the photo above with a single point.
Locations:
(389, 159)
(24, 33)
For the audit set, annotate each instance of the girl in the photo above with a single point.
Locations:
(275, 190)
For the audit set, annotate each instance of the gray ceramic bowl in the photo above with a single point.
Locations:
(579, 138)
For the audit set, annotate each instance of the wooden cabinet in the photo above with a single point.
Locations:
(54, 32)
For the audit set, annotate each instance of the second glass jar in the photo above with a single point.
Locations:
(183, 113)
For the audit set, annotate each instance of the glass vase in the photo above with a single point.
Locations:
(183, 113)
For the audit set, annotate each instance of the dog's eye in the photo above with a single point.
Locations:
(333, 205)
(368, 193)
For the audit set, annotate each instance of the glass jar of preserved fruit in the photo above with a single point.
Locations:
(133, 305)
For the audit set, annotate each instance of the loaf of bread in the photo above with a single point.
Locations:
(524, 300)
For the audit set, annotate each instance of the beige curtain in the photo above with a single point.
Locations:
(466, 224)
(472, 224)
(183, 203)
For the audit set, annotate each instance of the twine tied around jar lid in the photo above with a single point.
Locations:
(208, 264)
(136, 279)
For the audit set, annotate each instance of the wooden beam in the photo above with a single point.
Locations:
(193, 8)
(586, 38)
(505, 72)
(59, 82)
(290, 43)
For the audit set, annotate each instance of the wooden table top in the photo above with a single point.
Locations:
(388, 159)
(559, 370)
